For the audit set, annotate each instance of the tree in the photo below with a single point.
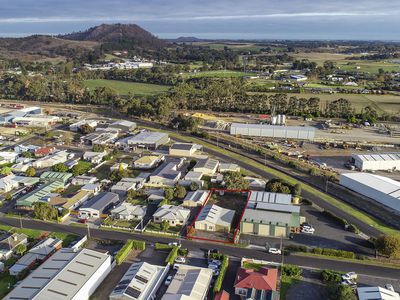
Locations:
(169, 194)
(180, 192)
(98, 148)
(86, 128)
(164, 226)
(5, 171)
(27, 154)
(235, 181)
(388, 245)
(60, 167)
(30, 172)
(297, 189)
(21, 249)
(44, 211)
(7, 197)
(194, 186)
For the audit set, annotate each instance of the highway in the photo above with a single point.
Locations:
(237, 252)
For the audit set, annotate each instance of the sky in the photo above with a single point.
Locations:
(226, 19)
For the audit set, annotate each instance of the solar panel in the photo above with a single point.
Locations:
(135, 293)
(141, 278)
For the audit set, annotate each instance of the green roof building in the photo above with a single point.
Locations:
(55, 176)
(36, 195)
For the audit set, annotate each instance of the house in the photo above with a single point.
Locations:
(376, 293)
(8, 157)
(10, 182)
(270, 214)
(140, 282)
(128, 211)
(100, 137)
(144, 139)
(119, 166)
(20, 167)
(98, 205)
(95, 188)
(82, 180)
(43, 250)
(44, 151)
(192, 177)
(214, 218)
(228, 167)
(183, 149)
(55, 176)
(189, 282)
(206, 166)
(196, 198)
(257, 285)
(51, 160)
(223, 295)
(69, 274)
(8, 243)
(298, 77)
(25, 148)
(70, 203)
(167, 175)
(148, 161)
(94, 157)
(174, 215)
(124, 185)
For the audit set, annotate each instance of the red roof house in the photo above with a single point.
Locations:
(256, 284)
(43, 151)
(223, 295)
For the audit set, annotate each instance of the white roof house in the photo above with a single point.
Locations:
(145, 139)
(12, 181)
(376, 293)
(51, 160)
(174, 215)
(140, 282)
(196, 198)
(376, 161)
(228, 167)
(206, 166)
(124, 185)
(379, 188)
(214, 218)
(8, 157)
(128, 211)
(184, 149)
(68, 274)
(94, 157)
(189, 283)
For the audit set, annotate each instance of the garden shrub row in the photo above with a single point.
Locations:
(161, 246)
(221, 276)
(172, 255)
(331, 276)
(350, 227)
(129, 245)
(334, 252)
(291, 271)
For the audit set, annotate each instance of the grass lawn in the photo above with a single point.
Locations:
(32, 233)
(286, 283)
(125, 87)
(339, 204)
(253, 266)
(217, 74)
(65, 237)
(125, 223)
(157, 227)
(6, 283)
(72, 189)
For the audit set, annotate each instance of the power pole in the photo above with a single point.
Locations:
(20, 221)
(88, 230)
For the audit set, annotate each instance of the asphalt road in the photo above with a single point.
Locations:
(306, 262)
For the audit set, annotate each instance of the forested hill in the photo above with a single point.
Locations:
(118, 36)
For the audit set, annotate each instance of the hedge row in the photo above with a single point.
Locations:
(129, 245)
(350, 227)
(221, 276)
(291, 271)
(331, 276)
(172, 255)
(334, 252)
(161, 246)
(296, 248)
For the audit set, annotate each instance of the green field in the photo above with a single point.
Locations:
(217, 74)
(125, 87)
(323, 86)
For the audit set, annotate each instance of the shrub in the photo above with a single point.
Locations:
(331, 276)
(296, 248)
(336, 218)
(161, 246)
(221, 276)
(172, 255)
(138, 245)
(291, 271)
(334, 252)
(183, 252)
(123, 252)
(353, 228)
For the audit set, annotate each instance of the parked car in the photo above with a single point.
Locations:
(176, 267)
(168, 280)
(174, 244)
(180, 259)
(274, 251)
(215, 262)
(305, 225)
(350, 276)
(308, 230)
(213, 267)
(350, 283)
(83, 221)
(389, 287)
(215, 272)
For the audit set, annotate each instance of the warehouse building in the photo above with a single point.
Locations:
(184, 149)
(28, 200)
(140, 282)
(123, 125)
(51, 160)
(379, 188)
(10, 116)
(68, 274)
(273, 131)
(36, 120)
(55, 176)
(215, 218)
(98, 205)
(376, 162)
(145, 139)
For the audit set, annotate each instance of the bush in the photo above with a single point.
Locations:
(172, 255)
(291, 271)
(123, 252)
(221, 276)
(331, 276)
(183, 252)
(138, 245)
(334, 252)
(161, 246)
(296, 248)
(336, 218)
(388, 245)
(353, 228)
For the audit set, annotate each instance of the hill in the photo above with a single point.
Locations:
(118, 35)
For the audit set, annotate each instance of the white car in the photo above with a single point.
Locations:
(216, 272)
(176, 267)
(308, 230)
(174, 244)
(213, 267)
(350, 276)
(349, 283)
(168, 280)
(180, 259)
(275, 251)
(389, 287)
(215, 262)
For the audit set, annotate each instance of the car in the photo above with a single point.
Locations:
(305, 225)
(213, 266)
(215, 272)
(308, 230)
(389, 287)
(83, 221)
(350, 276)
(215, 262)
(174, 244)
(350, 283)
(274, 251)
(176, 267)
(180, 259)
(168, 280)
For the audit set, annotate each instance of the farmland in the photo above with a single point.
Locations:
(218, 74)
(124, 88)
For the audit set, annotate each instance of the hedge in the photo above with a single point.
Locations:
(161, 246)
(331, 276)
(221, 276)
(334, 252)
(291, 271)
(353, 228)
(350, 227)
(296, 248)
(129, 245)
(172, 255)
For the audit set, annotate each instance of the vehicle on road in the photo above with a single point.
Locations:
(174, 244)
(350, 276)
(308, 230)
(180, 259)
(168, 280)
(274, 251)
(389, 287)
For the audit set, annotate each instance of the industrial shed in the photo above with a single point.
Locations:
(261, 130)
(376, 161)
(379, 188)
